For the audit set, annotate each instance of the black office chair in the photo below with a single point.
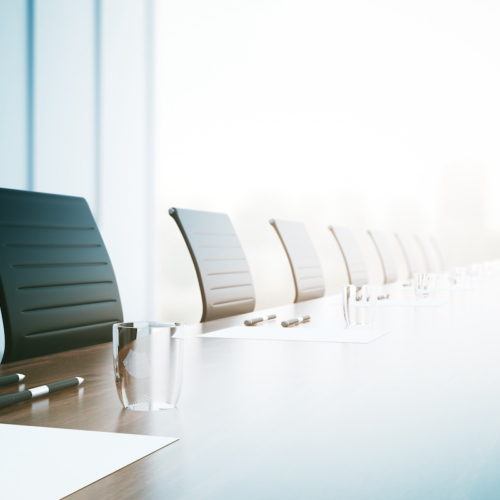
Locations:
(408, 248)
(304, 261)
(425, 247)
(384, 251)
(354, 260)
(58, 290)
(221, 266)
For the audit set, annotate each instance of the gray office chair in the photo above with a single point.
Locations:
(355, 263)
(57, 287)
(386, 257)
(408, 248)
(304, 261)
(438, 249)
(221, 266)
(425, 248)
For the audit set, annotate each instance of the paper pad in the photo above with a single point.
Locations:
(297, 334)
(415, 303)
(48, 464)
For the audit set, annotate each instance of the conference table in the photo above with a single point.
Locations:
(414, 414)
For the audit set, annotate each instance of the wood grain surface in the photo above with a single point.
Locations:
(413, 415)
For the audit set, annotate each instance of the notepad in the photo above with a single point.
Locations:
(301, 334)
(48, 464)
(414, 303)
(452, 288)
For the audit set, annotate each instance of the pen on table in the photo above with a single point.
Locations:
(17, 397)
(11, 379)
(295, 321)
(254, 321)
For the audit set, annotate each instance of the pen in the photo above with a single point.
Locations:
(250, 322)
(11, 379)
(295, 321)
(18, 397)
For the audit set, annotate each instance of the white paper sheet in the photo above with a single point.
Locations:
(454, 288)
(355, 336)
(48, 464)
(414, 303)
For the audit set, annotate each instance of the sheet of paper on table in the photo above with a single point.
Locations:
(415, 303)
(408, 303)
(298, 333)
(48, 464)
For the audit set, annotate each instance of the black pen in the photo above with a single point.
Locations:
(250, 322)
(18, 397)
(295, 321)
(11, 379)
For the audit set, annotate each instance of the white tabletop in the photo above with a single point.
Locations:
(414, 414)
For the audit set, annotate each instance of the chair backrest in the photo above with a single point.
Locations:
(57, 287)
(354, 261)
(408, 248)
(221, 266)
(438, 249)
(386, 257)
(304, 261)
(425, 247)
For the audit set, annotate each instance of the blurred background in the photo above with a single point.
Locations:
(372, 114)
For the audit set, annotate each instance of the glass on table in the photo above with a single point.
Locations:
(490, 268)
(458, 276)
(148, 359)
(359, 304)
(425, 285)
(476, 271)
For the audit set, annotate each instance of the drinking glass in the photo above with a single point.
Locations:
(425, 285)
(458, 276)
(359, 304)
(489, 268)
(148, 359)
(476, 271)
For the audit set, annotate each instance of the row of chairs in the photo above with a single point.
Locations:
(58, 290)
(224, 274)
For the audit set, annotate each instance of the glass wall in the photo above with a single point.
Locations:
(14, 119)
(76, 120)
(370, 114)
(373, 115)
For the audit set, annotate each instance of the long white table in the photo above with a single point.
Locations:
(413, 415)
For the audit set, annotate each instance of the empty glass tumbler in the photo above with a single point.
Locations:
(148, 359)
(425, 285)
(359, 304)
(475, 271)
(458, 276)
